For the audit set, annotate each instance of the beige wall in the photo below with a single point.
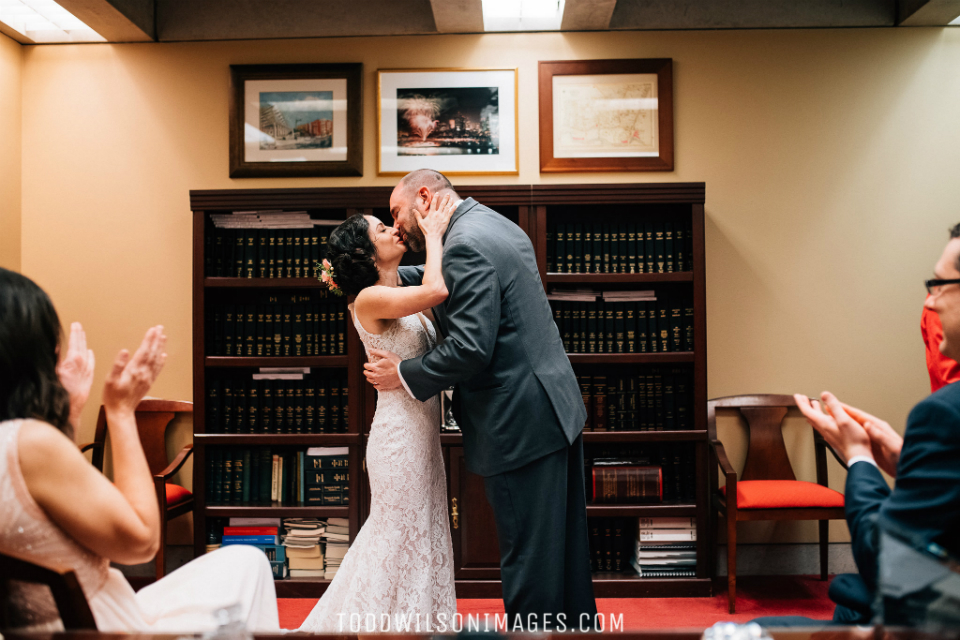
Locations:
(11, 62)
(830, 159)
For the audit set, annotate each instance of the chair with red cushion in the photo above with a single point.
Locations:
(153, 416)
(767, 488)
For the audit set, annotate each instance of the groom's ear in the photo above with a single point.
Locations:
(423, 199)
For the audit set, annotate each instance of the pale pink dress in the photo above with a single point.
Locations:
(184, 601)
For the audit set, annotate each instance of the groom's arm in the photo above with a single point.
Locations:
(473, 319)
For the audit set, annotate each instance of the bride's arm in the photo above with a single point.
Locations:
(385, 303)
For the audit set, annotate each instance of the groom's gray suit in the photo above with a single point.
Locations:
(520, 409)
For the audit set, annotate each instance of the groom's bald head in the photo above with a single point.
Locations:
(434, 181)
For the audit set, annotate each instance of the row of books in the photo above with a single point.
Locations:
(295, 547)
(656, 326)
(307, 405)
(656, 399)
(261, 476)
(676, 462)
(265, 253)
(665, 548)
(647, 246)
(280, 325)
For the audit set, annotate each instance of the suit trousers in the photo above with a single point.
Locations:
(541, 516)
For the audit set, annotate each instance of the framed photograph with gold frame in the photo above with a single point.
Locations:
(606, 115)
(458, 121)
(296, 120)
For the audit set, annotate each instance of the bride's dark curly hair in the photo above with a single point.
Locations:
(352, 255)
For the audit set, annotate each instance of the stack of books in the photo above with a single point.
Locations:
(262, 533)
(666, 548)
(302, 544)
(641, 246)
(609, 544)
(336, 536)
(653, 399)
(633, 323)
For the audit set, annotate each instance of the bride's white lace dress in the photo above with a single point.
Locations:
(401, 562)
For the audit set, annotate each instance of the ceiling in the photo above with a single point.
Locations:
(200, 20)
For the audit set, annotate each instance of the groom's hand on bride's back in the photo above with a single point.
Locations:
(381, 371)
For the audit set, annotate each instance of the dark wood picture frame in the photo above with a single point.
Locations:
(352, 166)
(663, 67)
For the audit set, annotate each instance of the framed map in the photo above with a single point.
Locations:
(606, 115)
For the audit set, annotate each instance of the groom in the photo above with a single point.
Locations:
(520, 407)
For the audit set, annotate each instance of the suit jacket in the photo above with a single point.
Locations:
(924, 505)
(519, 398)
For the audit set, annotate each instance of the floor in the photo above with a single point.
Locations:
(756, 596)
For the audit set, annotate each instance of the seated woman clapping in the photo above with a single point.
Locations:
(55, 508)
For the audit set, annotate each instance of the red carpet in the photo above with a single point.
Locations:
(756, 596)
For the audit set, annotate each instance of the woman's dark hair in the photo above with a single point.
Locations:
(29, 346)
(352, 255)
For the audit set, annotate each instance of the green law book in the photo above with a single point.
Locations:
(613, 405)
(560, 248)
(309, 408)
(679, 246)
(676, 324)
(266, 407)
(297, 254)
(577, 262)
(229, 330)
(237, 492)
(669, 403)
(606, 249)
(574, 327)
(271, 254)
(240, 408)
(570, 248)
(688, 323)
(592, 329)
(250, 241)
(298, 407)
(614, 248)
(587, 249)
(324, 333)
(218, 253)
(658, 399)
(622, 400)
(239, 250)
(631, 421)
(323, 408)
(630, 326)
(684, 402)
(633, 264)
(263, 245)
(244, 488)
(344, 406)
(216, 476)
(267, 330)
(298, 342)
(342, 330)
(288, 254)
(333, 419)
(253, 408)
(653, 332)
(597, 250)
(643, 423)
(688, 234)
(584, 306)
(649, 251)
(663, 324)
(249, 330)
(658, 245)
(609, 328)
(287, 332)
(265, 476)
(668, 247)
(624, 250)
(213, 406)
(586, 384)
(643, 343)
(620, 328)
(308, 330)
(600, 403)
(226, 407)
(290, 411)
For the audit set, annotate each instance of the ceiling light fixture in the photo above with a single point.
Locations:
(955, 22)
(522, 15)
(45, 21)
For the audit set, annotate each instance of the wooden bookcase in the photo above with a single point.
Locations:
(533, 208)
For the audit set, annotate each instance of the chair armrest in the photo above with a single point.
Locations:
(728, 473)
(820, 443)
(90, 445)
(174, 466)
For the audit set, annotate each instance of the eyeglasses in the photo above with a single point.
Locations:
(933, 286)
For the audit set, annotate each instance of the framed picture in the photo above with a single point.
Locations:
(606, 115)
(456, 121)
(296, 120)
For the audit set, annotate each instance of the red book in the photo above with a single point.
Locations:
(250, 531)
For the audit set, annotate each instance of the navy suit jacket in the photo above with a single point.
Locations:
(924, 505)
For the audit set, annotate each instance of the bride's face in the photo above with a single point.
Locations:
(387, 240)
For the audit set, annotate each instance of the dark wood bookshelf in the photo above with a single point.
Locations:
(534, 208)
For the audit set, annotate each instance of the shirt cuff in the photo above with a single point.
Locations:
(404, 383)
(852, 461)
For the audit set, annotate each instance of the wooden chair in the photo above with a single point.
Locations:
(67, 594)
(767, 488)
(153, 417)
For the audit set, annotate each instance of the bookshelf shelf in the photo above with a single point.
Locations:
(632, 358)
(262, 283)
(618, 278)
(640, 510)
(274, 511)
(292, 439)
(289, 361)
(301, 587)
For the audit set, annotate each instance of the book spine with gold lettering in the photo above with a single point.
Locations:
(586, 388)
(627, 484)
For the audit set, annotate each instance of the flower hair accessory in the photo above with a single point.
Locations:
(324, 271)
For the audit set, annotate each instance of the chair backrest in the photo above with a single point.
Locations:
(153, 417)
(766, 452)
(67, 594)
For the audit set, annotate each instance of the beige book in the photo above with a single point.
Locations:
(307, 573)
(306, 563)
(304, 552)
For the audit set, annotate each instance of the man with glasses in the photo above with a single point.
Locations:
(924, 505)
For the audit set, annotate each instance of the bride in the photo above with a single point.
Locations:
(398, 574)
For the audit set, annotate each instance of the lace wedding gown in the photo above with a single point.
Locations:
(399, 569)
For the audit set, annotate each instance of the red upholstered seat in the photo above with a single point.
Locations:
(784, 494)
(176, 494)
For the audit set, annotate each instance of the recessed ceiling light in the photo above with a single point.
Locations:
(45, 21)
(955, 22)
(522, 15)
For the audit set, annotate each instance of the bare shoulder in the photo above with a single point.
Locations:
(39, 443)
